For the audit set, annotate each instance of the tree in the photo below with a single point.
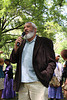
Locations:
(10, 18)
(46, 15)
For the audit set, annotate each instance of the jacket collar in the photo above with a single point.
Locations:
(37, 46)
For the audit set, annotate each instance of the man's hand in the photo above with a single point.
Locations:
(19, 39)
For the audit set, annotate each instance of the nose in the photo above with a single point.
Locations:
(25, 28)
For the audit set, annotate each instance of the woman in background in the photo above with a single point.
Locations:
(8, 91)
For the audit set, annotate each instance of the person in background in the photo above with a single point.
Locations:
(8, 91)
(64, 56)
(56, 92)
(1, 76)
(35, 60)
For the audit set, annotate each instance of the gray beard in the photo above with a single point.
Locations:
(29, 35)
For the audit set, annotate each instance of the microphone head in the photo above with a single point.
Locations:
(23, 34)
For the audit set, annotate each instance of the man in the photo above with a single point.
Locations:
(35, 60)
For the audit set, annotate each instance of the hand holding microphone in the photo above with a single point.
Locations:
(18, 42)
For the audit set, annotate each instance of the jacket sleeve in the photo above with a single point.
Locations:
(14, 57)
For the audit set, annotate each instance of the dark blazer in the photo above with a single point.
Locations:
(43, 61)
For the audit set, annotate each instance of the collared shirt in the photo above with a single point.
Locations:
(27, 71)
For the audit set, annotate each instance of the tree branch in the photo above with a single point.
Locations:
(12, 29)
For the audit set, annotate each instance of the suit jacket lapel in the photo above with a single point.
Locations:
(37, 46)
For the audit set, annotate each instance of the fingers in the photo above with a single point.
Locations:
(18, 40)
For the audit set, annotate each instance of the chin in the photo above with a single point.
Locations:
(29, 35)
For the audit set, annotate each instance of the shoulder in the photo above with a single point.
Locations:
(45, 41)
(10, 66)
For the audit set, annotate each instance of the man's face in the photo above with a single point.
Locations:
(29, 30)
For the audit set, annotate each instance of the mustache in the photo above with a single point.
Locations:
(29, 31)
(26, 31)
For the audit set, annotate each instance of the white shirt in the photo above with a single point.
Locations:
(58, 70)
(27, 70)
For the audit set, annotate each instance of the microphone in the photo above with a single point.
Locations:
(23, 34)
(22, 37)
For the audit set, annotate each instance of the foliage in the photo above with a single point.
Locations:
(61, 44)
(45, 14)
(50, 29)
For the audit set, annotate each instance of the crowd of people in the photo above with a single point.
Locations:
(37, 64)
